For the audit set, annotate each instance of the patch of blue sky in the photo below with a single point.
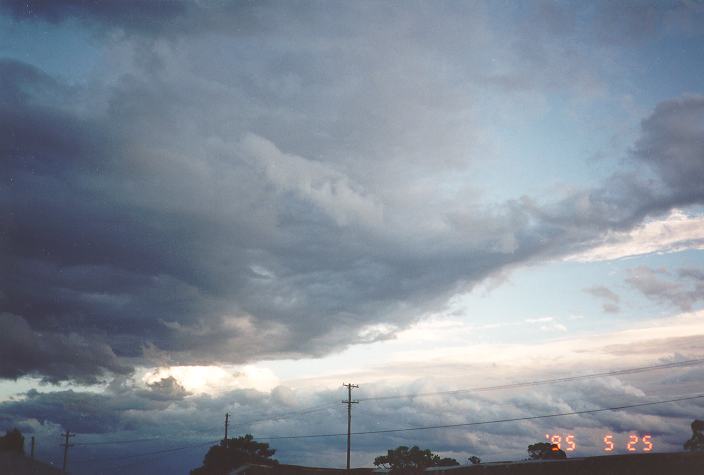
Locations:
(536, 293)
(554, 151)
(64, 49)
(668, 68)
(557, 290)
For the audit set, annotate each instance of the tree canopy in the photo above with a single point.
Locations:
(220, 459)
(12, 441)
(403, 460)
(545, 451)
(696, 442)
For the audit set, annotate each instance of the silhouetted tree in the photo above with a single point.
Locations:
(696, 442)
(474, 460)
(12, 441)
(240, 451)
(403, 460)
(545, 451)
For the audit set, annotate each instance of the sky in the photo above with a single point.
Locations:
(213, 206)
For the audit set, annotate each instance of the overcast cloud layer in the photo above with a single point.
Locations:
(220, 183)
(295, 184)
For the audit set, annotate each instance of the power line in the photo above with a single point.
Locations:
(497, 421)
(145, 454)
(271, 418)
(111, 442)
(386, 431)
(626, 371)
(313, 409)
(141, 460)
(287, 415)
(541, 382)
(158, 452)
(128, 441)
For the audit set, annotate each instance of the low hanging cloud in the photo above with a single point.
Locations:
(189, 209)
(161, 416)
(53, 356)
(161, 423)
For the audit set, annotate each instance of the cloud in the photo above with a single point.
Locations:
(213, 379)
(130, 14)
(166, 388)
(287, 199)
(609, 298)
(199, 419)
(130, 409)
(678, 231)
(54, 356)
(658, 285)
(329, 190)
(671, 143)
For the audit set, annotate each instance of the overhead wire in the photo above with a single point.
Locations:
(386, 431)
(641, 369)
(324, 407)
(122, 441)
(539, 382)
(287, 415)
(496, 421)
(153, 439)
(145, 454)
(142, 456)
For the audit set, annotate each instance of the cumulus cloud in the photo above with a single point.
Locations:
(659, 285)
(160, 411)
(166, 388)
(610, 299)
(285, 412)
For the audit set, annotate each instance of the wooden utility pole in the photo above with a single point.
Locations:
(66, 445)
(349, 403)
(227, 422)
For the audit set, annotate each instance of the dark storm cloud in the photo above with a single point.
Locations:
(85, 412)
(198, 258)
(115, 409)
(152, 15)
(269, 199)
(672, 144)
(52, 356)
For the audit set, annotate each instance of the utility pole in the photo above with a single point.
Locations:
(66, 445)
(227, 422)
(31, 453)
(349, 403)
